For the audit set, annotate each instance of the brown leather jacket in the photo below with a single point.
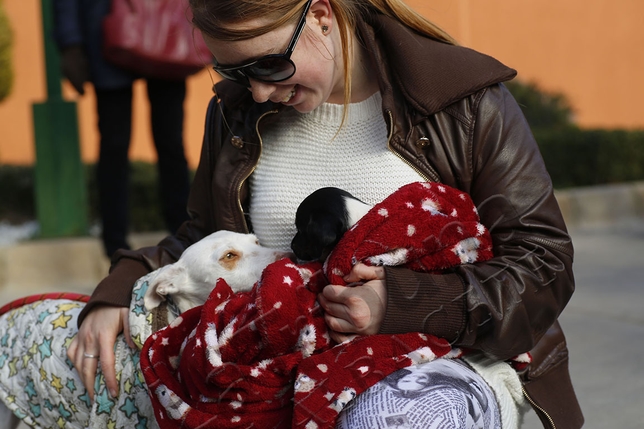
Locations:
(450, 118)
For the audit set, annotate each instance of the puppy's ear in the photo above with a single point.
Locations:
(166, 282)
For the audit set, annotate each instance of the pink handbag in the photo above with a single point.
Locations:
(154, 38)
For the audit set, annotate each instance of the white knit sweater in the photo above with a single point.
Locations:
(302, 153)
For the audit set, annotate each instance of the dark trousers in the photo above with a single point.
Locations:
(115, 124)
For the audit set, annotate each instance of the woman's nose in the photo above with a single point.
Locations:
(261, 90)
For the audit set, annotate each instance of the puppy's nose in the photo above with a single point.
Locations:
(300, 249)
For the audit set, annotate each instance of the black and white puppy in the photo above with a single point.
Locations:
(321, 220)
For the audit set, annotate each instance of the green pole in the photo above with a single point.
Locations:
(61, 195)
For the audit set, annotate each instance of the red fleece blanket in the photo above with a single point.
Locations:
(264, 358)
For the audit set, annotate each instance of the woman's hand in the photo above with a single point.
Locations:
(358, 310)
(96, 337)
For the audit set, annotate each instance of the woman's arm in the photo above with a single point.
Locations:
(502, 306)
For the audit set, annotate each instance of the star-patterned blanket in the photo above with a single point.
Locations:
(39, 384)
(264, 358)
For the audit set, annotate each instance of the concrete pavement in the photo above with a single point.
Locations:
(604, 326)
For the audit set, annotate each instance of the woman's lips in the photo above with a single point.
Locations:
(289, 96)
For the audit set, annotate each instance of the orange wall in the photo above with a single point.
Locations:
(592, 51)
(589, 50)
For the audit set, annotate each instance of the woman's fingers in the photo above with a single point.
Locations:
(108, 366)
(356, 310)
(95, 342)
(85, 365)
(361, 272)
(87, 372)
(125, 316)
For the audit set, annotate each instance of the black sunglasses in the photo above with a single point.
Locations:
(269, 68)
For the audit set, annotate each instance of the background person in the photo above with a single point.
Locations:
(78, 33)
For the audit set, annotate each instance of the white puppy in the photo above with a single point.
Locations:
(236, 258)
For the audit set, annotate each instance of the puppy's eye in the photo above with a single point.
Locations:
(230, 258)
(257, 242)
(230, 255)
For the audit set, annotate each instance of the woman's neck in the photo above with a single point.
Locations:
(364, 82)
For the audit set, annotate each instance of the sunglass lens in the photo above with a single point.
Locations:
(235, 75)
(272, 69)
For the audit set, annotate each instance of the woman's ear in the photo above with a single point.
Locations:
(323, 16)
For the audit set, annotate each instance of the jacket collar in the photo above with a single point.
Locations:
(442, 75)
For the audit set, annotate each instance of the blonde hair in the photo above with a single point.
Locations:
(217, 19)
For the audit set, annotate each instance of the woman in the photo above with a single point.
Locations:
(366, 95)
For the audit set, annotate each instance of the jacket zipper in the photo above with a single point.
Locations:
(391, 133)
(241, 183)
(538, 409)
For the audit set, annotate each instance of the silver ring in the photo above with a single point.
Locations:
(89, 356)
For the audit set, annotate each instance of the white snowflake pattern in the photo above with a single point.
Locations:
(480, 229)
(432, 207)
(421, 355)
(306, 340)
(341, 401)
(304, 383)
(467, 250)
(393, 258)
(172, 403)
(411, 230)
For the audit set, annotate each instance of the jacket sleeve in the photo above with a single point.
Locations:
(505, 305)
(127, 266)
(67, 23)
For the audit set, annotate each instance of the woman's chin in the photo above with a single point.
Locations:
(305, 106)
(304, 101)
